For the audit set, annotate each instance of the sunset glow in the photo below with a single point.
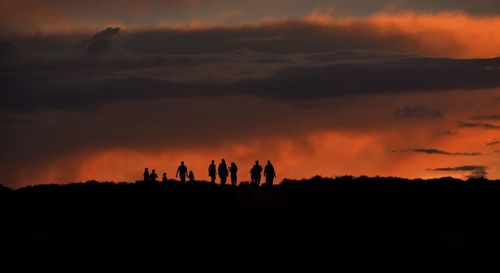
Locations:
(409, 90)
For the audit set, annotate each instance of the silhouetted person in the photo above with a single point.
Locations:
(256, 173)
(153, 176)
(212, 171)
(234, 173)
(182, 172)
(164, 178)
(191, 176)
(223, 172)
(146, 175)
(269, 173)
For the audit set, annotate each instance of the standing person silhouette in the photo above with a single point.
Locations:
(191, 177)
(146, 175)
(234, 173)
(212, 171)
(223, 172)
(256, 173)
(164, 178)
(269, 173)
(182, 172)
(153, 176)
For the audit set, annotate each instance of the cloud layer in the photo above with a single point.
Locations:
(317, 95)
(475, 171)
(441, 152)
(56, 14)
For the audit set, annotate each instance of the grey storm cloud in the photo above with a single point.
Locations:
(479, 125)
(441, 152)
(475, 171)
(146, 72)
(101, 42)
(418, 112)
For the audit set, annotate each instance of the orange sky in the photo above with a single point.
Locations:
(81, 103)
(374, 145)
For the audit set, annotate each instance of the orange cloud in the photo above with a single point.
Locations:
(452, 34)
(445, 34)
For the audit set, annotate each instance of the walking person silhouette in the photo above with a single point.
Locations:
(191, 177)
(269, 173)
(153, 176)
(212, 171)
(146, 175)
(164, 178)
(255, 173)
(223, 172)
(234, 173)
(182, 172)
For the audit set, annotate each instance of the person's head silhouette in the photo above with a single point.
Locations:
(256, 162)
(153, 171)
(269, 162)
(182, 162)
(223, 161)
(164, 174)
(213, 162)
(146, 169)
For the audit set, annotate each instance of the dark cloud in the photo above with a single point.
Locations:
(440, 152)
(81, 82)
(8, 50)
(465, 168)
(291, 36)
(277, 37)
(418, 112)
(15, 14)
(493, 142)
(101, 42)
(479, 125)
(475, 171)
(490, 117)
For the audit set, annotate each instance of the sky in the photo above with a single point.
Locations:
(102, 89)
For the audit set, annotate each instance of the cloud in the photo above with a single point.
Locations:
(418, 112)
(146, 90)
(77, 82)
(475, 171)
(436, 151)
(490, 117)
(8, 50)
(414, 33)
(493, 142)
(479, 125)
(101, 42)
(57, 15)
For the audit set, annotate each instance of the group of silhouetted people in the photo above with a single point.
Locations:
(222, 170)
(256, 173)
(153, 177)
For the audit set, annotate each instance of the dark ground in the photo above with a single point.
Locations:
(341, 225)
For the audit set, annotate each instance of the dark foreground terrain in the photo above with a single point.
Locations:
(341, 225)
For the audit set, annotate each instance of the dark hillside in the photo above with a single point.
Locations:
(342, 224)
